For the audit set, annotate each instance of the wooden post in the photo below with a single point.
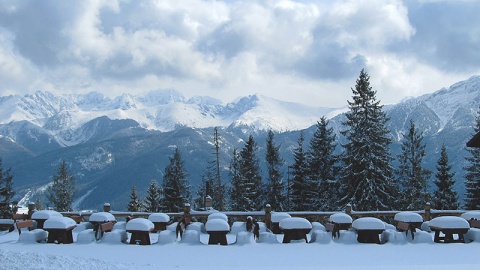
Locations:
(348, 209)
(186, 213)
(268, 216)
(31, 209)
(428, 209)
(208, 202)
(106, 207)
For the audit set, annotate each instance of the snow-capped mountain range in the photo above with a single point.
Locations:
(114, 143)
(62, 115)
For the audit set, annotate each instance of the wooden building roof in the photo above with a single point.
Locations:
(475, 141)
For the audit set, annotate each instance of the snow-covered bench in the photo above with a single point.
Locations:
(32, 235)
(102, 222)
(295, 228)
(59, 230)
(448, 226)
(368, 229)
(140, 229)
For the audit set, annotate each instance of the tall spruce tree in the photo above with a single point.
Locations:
(249, 172)
(62, 190)
(275, 186)
(322, 166)
(299, 172)
(218, 189)
(237, 187)
(6, 192)
(176, 188)
(472, 175)
(134, 205)
(153, 200)
(445, 197)
(412, 177)
(367, 174)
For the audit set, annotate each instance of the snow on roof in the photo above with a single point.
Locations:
(340, 218)
(101, 217)
(295, 223)
(217, 225)
(471, 214)
(449, 222)
(159, 217)
(59, 223)
(278, 216)
(140, 224)
(45, 214)
(408, 217)
(368, 223)
(218, 216)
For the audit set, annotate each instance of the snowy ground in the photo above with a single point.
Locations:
(331, 255)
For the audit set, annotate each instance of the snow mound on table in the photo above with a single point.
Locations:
(45, 214)
(278, 216)
(140, 224)
(340, 218)
(159, 217)
(217, 225)
(408, 217)
(449, 222)
(471, 215)
(221, 216)
(295, 223)
(101, 217)
(59, 223)
(368, 223)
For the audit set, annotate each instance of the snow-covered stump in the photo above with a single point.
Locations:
(99, 218)
(276, 218)
(320, 236)
(268, 238)
(295, 229)
(337, 222)
(59, 230)
(160, 221)
(41, 216)
(368, 229)
(217, 229)
(166, 237)
(408, 221)
(140, 229)
(86, 237)
(448, 226)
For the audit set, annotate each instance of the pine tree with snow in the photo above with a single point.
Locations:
(249, 172)
(275, 186)
(176, 188)
(472, 175)
(322, 167)
(367, 175)
(62, 189)
(6, 192)
(412, 177)
(445, 197)
(134, 205)
(237, 187)
(153, 200)
(299, 172)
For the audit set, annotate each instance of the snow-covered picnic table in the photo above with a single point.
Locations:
(59, 229)
(408, 221)
(449, 225)
(160, 221)
(368, 229)
(276, 218)
(140, 229)
(337, 222)
(217, 228)
(295, 228)
(99, 221)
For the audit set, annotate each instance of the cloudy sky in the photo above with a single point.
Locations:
(303, 51)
